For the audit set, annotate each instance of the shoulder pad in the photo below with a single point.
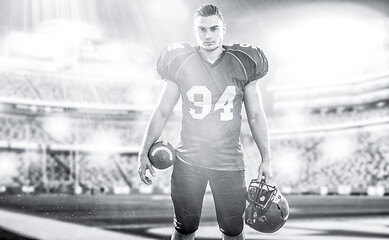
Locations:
(169, 54)
(178, 48)
(246, 48)
(249, 54)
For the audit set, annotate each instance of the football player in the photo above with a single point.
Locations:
(213, 81)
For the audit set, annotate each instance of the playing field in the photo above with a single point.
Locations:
(149, 217)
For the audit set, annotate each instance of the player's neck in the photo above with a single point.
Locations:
(211, 56)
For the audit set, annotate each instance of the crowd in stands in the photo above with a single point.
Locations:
(70, 130)
(61, 172)
(357, 157)
(306, 119)
(20, 168)
(65, 88)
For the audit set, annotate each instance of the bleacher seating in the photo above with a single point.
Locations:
(366, 164)
(81, 131)
(67, 88)
(327, 119)
(313, 165)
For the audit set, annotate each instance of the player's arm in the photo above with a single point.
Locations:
(167, 100)
(258, 126)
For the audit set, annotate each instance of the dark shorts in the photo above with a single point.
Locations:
(188, 188)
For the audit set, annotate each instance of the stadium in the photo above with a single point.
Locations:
(78, 85)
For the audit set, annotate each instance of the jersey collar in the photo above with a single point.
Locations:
(217, 60)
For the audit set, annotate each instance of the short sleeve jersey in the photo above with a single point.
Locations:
(212, 97)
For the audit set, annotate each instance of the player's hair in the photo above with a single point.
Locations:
(208, 10)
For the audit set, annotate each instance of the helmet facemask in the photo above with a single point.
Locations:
(268, 210)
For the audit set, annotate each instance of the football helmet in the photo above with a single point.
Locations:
(267, 210)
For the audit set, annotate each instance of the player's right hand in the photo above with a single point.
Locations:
(144, 164)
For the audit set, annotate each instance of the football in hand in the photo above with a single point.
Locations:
(162, 154)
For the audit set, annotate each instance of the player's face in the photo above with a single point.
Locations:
(209, 32)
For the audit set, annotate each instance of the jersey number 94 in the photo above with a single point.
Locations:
(204, 103)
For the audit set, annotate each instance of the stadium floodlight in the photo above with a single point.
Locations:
(104, 141)
(294, 118)
(68, 29)
(288, 163)
(338, 147)
(77, 189)
(34, 108)
(8, 165)
(32, 44)
(58, 127)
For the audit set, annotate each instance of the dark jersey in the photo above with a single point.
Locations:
(212, 97)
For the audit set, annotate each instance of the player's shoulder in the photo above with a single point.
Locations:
(245, 50)
(251, 58)
(172, 57)
(177, 49)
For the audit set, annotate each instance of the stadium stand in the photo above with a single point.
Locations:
(92, 148)
(70, 89)
(306, 163)
(333, 117)
(79, 131)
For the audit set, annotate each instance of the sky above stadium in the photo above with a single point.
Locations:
(325, 40)
(156, 22)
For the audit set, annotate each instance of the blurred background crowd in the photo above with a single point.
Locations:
(78, 84)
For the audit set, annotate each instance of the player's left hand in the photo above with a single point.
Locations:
(264, 170)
